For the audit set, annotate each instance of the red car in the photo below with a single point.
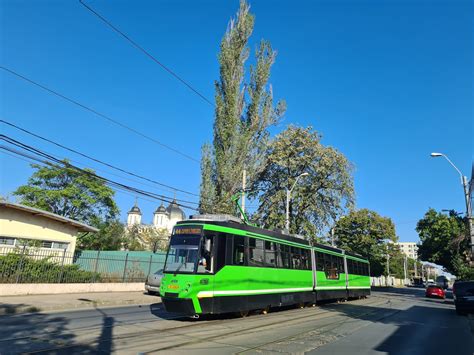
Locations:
(435, 291)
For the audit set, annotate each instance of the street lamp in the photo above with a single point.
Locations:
(288, 196)
(466, 196)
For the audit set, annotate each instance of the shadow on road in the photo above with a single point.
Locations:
(47, 334)
(430, 326)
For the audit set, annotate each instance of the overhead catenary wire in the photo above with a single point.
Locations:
(51, 160)
(95, 159)
(114, 185)
(147, 53)
(20, 156)
(99, 114)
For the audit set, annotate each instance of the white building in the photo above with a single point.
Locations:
(162, 217)
(410, 249)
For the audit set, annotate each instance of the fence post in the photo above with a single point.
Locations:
(125, 268)
(96, 266)
(149, 265)
(62, 267)
(18, 269)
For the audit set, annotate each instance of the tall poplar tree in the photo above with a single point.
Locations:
(243, 114)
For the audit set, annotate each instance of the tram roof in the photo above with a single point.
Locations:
(270, 233)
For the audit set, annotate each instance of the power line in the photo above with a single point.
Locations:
(94, 159)
(109, 182)
(97, 113)
(18, 155)
(143, 50)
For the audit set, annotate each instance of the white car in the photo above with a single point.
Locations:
(153, 282)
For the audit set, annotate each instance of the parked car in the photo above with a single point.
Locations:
(153, 282)
(435, 291)
(463, 293)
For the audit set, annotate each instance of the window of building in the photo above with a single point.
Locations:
(7, 241)
(46, 244)
(58, 245)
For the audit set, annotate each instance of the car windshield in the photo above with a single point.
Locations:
(183, 253)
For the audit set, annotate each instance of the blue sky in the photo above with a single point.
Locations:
(385, 82)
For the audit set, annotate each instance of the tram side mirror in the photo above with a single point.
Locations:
(207, 245)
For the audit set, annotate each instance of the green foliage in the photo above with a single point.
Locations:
(243, 114)
(111, 236)
(317, 198)
(367, 233)
(19, 267)
(444, 241)
(70, 193)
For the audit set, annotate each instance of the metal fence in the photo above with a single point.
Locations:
(34, 265)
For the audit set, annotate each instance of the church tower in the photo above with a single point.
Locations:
(160, 217)
(134, 216)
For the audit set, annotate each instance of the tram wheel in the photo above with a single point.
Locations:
(266, 310)
(301, 305)
(243, 314)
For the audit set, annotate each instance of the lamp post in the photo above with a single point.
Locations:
(288, 197)
(465, 184)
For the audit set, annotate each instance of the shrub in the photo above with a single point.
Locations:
(23, 269)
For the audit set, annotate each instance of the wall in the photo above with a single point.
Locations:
(45, 289)
(21, 224)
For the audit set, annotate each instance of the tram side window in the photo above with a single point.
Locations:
(319, 261)
(296, 257)
(256, 252)
(305, 259)
(285, 256)
(340, 264)
(350, 266)
(238, 250)
(279, 258)
(270, 254)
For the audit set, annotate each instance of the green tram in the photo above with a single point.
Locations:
(216, 264)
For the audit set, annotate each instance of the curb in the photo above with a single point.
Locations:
(12, 310)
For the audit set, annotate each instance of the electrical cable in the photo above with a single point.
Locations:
(94, 159)
(144, 51)
(110, 182)
(97, 113)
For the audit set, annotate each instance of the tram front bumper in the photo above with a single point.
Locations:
(182, 306)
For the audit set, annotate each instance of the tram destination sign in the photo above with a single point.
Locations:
(187, 230)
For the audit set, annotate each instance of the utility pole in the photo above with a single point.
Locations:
(467, 197)
(388, 267)
(405, 269)
(244, 185)
(332, 237)
(288, 197)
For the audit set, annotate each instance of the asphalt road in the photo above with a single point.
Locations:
(395, 322)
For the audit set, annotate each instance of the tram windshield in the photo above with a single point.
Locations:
(183, 253)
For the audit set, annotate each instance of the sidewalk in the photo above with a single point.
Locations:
(60, 302)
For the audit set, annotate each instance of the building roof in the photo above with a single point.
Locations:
(174, 211)
(161, 209)
(81, 227)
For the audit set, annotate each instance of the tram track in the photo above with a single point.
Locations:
(321, 314)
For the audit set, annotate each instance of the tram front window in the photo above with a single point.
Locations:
(183, 253)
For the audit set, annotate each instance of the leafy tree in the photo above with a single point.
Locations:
(70, 193)
(367, 233)
(317, 198)
(444, 241)
(111, 236)
(140, 237)
(243, 113)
